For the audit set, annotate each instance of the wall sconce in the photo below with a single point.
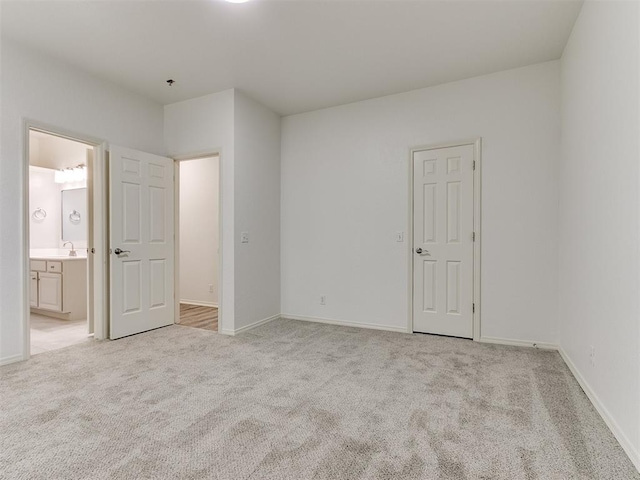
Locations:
(59, 177)
(69, 175)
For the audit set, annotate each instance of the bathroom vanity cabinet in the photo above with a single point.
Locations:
(59, 287)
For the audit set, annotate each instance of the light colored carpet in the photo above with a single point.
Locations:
(295, 400)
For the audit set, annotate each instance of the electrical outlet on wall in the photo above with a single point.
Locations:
(211, 288)
(592, 355)
(244, 237)
(323, 299)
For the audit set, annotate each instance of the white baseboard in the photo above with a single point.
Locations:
(626, 444)
(12, 359)
(199, 304)
(518, 343)
(50, 313)
(250, 326)
(344, 323)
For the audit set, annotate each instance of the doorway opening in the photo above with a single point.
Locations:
(59, 222)
(198, 242)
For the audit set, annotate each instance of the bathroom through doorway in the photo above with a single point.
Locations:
(59, 208)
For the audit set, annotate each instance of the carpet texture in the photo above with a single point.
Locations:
(296, 400)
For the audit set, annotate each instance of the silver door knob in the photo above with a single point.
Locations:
(419, 251)
(117, 251)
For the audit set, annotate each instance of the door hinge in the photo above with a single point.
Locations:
(474, 164)
(473, 236)
(473, 307)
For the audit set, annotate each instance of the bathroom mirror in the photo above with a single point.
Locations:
(74, 215)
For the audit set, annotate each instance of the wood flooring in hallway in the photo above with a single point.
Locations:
(199, 317)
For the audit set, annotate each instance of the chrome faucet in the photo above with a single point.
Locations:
(72, 252)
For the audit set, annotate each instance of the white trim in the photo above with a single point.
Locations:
(100, 242)
(518, 343)
(477, 228)
(250, 326)
(51, 313)
(627, 446)
(344, 323)
(176, 241)
(477, 221)
(26, 261)
(12, 359)
(197, 303)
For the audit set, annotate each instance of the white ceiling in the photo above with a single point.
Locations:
(296, 55)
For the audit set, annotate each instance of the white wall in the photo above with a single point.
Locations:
(345, 174)
(44, 193)
(247, 135)
(201, 126)
(41, 88)
(257, 211)
(47, 154)
(599, 212)
(199, 231)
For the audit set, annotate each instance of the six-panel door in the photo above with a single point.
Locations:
(443, 241)
(141, 227)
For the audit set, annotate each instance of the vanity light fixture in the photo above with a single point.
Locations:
(70, 175)
(64, 175)
(237, 1)
(79, 174)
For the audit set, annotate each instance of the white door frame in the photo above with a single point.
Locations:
(477, 197)
(97, 234)
(176, 225)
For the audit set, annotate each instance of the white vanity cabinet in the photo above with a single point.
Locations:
(50, 291)
(59, 287)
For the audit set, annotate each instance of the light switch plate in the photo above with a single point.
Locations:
(244, 237)
(399, 236)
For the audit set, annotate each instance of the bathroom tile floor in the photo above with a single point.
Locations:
(49, 333)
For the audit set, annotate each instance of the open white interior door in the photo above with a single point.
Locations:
(141, 234)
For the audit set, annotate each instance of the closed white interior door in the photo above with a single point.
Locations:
(141, 241)
(443, 241)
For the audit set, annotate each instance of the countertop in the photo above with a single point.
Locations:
(57, 258)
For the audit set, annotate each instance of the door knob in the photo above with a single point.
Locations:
(419, 251)
(117, 251)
